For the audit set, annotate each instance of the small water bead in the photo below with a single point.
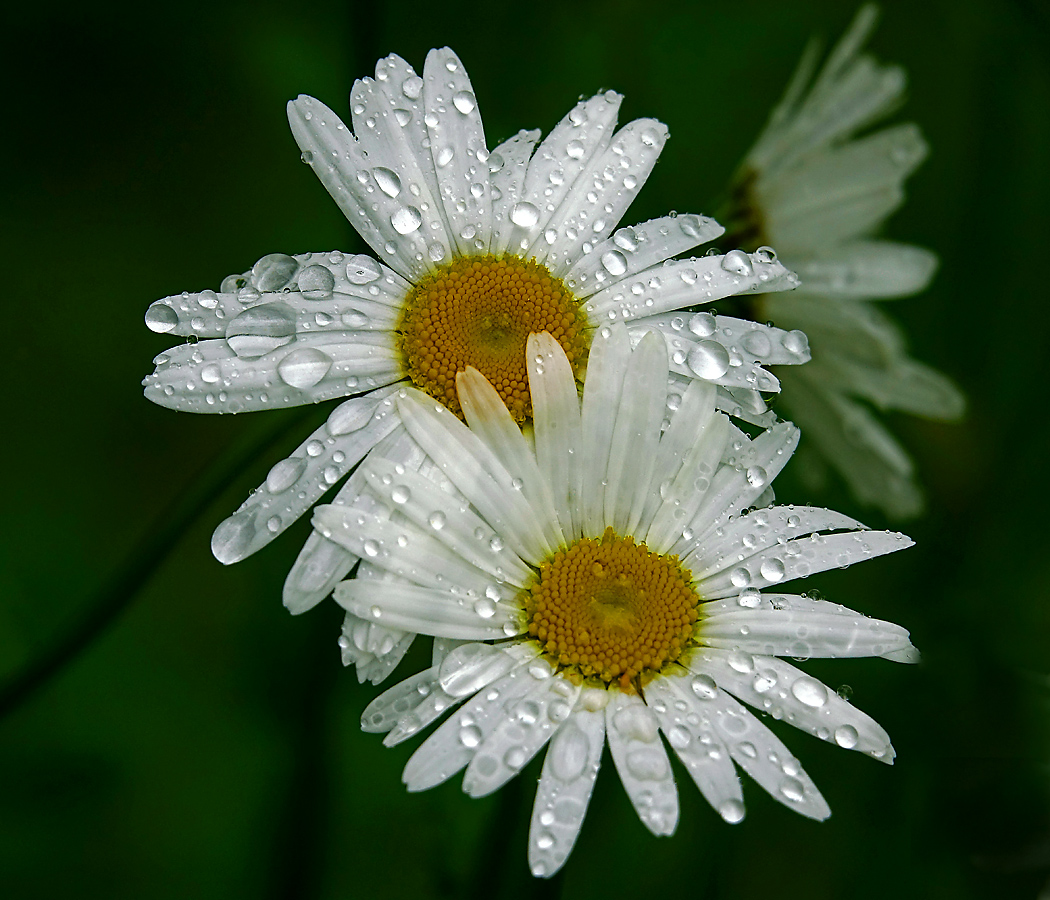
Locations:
(273, 524)
(793, 790)
(740, 577)
(485, 608)
(401, 494)
(388, 181)
(470, 736)
(766, 255)
(412, 87)
(406, 220)
(756, 476)
(846, 736)
(437, 520)
(524, 214)
(464, 101)
(796, 342)
(809, 692)
(314, 448)
(371, 548)
(739, 263)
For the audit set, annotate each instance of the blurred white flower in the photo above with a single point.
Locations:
(818, 192)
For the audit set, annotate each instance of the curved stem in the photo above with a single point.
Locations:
(146, 557)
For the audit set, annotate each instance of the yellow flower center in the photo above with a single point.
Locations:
(479, 311)
(611, 608)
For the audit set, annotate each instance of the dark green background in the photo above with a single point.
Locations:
(205, 744)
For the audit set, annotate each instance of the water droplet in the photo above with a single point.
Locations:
(349, 416)
(846, 736)
(756, 476)
(387, 180)
(809, 692)
(371, 548)
(232, 540)
(273, 272)
(211, 373)
(740, 577)
(757, 343)
(406, 220)
(437, 520)
(703, 324)
(732, 811)
(772, 570)
(362, 270)
(796, 342)
(614, 262)
(283, 475)
(412, 87)
(470, 736)
(485, 608)
(741, 662)
(401, 494)
(524, 214)
(575, 149)
(766, 255)
(704, 687)
(792, 789)
(708, 359)
(261, 329)
(161, 318)
(464, 101)
(739, 263)
(316, 282)
(304, 368)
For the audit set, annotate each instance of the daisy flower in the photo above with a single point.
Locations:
(819, 192)
(474, 250)
(602, 583)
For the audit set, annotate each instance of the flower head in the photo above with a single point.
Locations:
(474, 250)
(819, 192)
(603, 584)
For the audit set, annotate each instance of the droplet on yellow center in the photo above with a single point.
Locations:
(479, 311)
(611, 608)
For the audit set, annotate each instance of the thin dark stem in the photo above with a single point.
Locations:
(149, 553)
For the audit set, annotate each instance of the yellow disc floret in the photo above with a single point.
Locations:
(479, 311)
(611, 608)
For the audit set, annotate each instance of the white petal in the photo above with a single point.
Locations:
(295, 484)
(454, 744)
(383, 713)
(522, 733)
(429, 611)
(802, 557)
(453, 523)
(638, 247)
(687, 282)
(685, 721)
(903, 384)
(569, 772)
(322, 564)
(608, 360)
(641, 761)
(457, 143)
(490, 420)
(636, 435)
(778, 625)
(476, 471)
(470, 667)
(557, 431)
(758, 530)
(431, 708)
(757, 750)
(390, 225)
(558, 162)
(601, 195)
(400, 548)
(787, 693)
(209, 376)
(736, 486)
(508, 164)
(868, 269)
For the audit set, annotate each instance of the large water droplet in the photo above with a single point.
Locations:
(708, 359)
(524, 214)
(412, 87)
(470, 736)
(809, 692)
(232, 540)
(283, 475)
(614, 262)
(387, 180)
(703, 324)
(732, 811)
(261, 329)
(739, 263)
(704, 687)
(161, 318)
(796, 342)
(575, 149)
(792, 789)
(648, 764)
(304, 368)
(406, 220)
(464, 101)
(362, 269)
(273, 272)
(349, 416)
(757, 343)
(846, 736)
(772, 570)
(316, 283)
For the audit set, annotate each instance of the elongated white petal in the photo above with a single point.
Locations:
(402, 549)
(383, 713)
(490, 420)
(390, 224)
(787, 693)
(457, 143)
(295, 484)
(901, 383)
(869, 269)
(757, 750)
(508, 164)
(322, 564)
(687, 282)
(759, 530)
(557, 429)
(802, 557)
(453, 523)
(601, 194)
(637, 247)
(641, 761)
(636, 435)
(454, 744)
(610, 352)
(209, 376)
(470, 667)
(684, 719)
(777, 625)
(476, 471)
(430, 611)
(525, 729)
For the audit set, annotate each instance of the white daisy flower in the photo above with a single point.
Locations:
(602, 583)
(476, 249)
(818, 192)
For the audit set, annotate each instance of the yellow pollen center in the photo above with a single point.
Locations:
(611, 608)
(479, 311)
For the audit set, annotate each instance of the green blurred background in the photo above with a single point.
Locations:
(205, 743)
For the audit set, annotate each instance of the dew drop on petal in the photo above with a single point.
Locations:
(524, 214)
(406, 220)
(614, 262)
(284, 474)
(809, 692)
(772, 570)
(708, 359)
(304, 368)
(273, 272)
(387, 180)
(732, 811)
(739, 263)
(316, 282)
(464, 101)
(161, 318)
